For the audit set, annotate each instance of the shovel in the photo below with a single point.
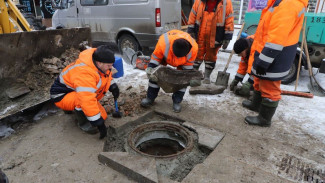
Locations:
(223, 76)
(314, 87)
(117, 113)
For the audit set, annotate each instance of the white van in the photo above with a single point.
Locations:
(130, 23)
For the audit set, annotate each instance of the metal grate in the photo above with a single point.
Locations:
(296, 169)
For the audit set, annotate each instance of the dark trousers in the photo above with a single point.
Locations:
(153, 90)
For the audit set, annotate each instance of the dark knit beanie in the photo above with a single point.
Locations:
(240, 45)
(181, 47)
(103, 54)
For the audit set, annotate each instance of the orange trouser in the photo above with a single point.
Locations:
(205, 52)
(68, 103)
(269, 89)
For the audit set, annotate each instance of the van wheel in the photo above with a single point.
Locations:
(127, 40)
(292, 75)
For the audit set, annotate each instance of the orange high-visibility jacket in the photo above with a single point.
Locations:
(243, 64)
(222, 23)
(163, 53)
(276, 38)
(83, 77)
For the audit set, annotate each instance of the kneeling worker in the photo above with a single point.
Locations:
(82, 84)
(175, 48)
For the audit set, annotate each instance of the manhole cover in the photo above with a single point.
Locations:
(160, 139)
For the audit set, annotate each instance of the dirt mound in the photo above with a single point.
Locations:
(129, 102)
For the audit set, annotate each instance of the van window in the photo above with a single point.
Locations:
(93, 2)
(129, 1)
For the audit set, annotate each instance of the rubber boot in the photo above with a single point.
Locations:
(146, 102)
(207, 74)
(253, 105)
(84, 124)
(177, 107)
(265, 115)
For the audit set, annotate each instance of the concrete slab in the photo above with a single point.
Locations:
(139, 168)
(166, 78)
(211, 89)
(208, 137)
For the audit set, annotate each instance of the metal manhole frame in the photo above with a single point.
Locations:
(164, 126)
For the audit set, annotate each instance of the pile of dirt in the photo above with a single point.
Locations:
(128, 102)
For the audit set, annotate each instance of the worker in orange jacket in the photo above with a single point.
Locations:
(272, 54)
(242, 47)
(211, 23)
(175, 48)
(81, 85)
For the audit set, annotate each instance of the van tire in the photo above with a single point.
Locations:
(292, 76)
(127, 40)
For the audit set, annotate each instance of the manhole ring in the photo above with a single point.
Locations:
(172, 138)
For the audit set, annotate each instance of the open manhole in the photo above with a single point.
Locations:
(160, 139)
(157, 145)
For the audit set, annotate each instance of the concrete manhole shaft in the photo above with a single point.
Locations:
(160, 139)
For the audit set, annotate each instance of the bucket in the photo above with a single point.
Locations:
(118, 65)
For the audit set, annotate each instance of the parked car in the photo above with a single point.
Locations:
(130, 23)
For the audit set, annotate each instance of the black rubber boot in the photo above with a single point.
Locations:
(146, 102)
(253, 105)
(209, 66)
(265, 115)
(177, 107)
(84, 124)
(207, 74)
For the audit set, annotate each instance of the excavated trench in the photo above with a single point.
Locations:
(174, 146)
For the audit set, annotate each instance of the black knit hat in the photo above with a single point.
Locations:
(103, 54)
(240, 45)
(181, 47)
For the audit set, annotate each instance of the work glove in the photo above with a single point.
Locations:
(260, 70)
(225, 44)
(115, 90)
(233, 84)
(151, 77)
(102, 130)
(195, 82)
(244, 89)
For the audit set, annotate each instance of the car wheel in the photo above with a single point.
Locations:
(292, 75)
(127, 40)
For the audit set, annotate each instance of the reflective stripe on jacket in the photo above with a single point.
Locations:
(276, 38)
(243, 64)
(83, 77)
(163, 53)
(222, 23)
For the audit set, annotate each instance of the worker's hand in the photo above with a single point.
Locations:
(225, 44)
(244, 89)
(260, 70)
(102, 130)
(195, 82)
(233, 84)
(151, 77)
(115, 90)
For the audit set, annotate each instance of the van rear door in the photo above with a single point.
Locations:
(170, 14)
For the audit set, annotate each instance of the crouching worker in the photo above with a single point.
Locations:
(81, 85)
(242, 47)
(175, 48)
